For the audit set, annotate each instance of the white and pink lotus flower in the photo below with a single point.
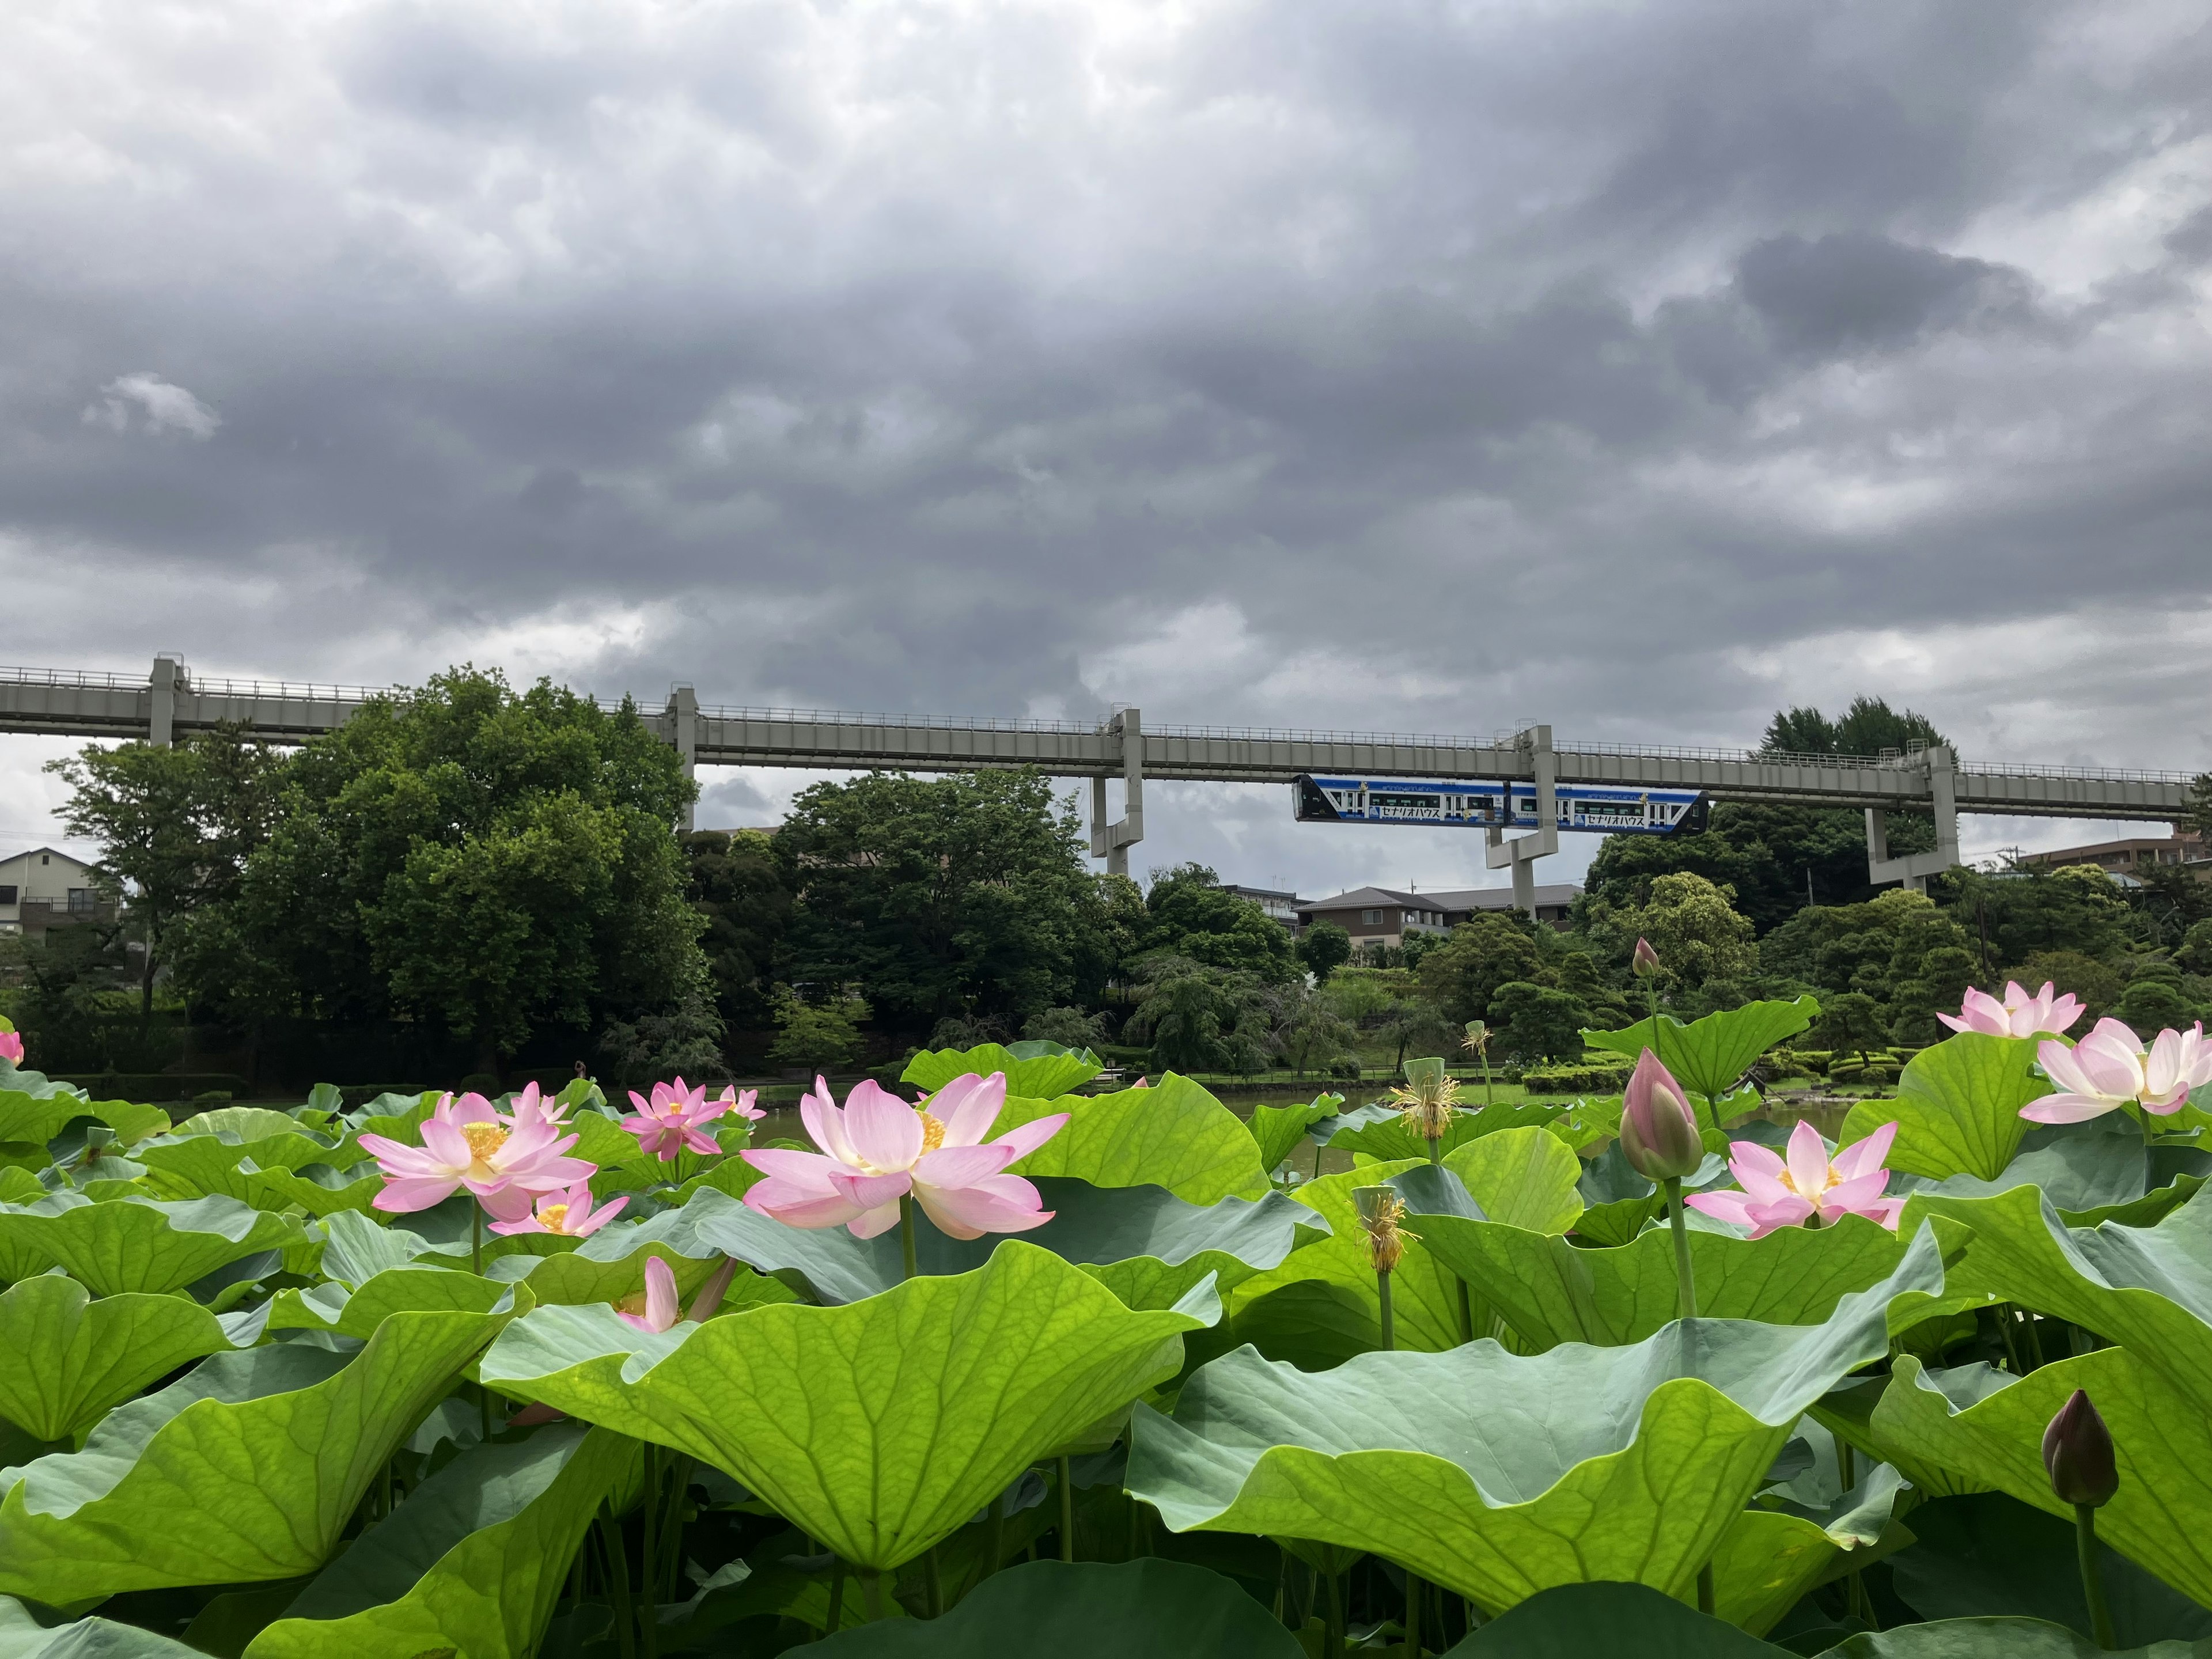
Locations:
(1807, 1187)
(674, 1118)
(503, 1161)
(2018, 1015)
(878, 1149)
(2112, 1067)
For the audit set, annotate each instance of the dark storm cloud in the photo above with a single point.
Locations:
(1279, 362)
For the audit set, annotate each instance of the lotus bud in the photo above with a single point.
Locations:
(1380, 1213)
(1658, 1132)
(1645, 962)
(2077, 1450)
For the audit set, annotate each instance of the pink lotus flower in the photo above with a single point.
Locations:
(2018, 1015)
(2110, 1068)
(670, 1122)
(656, 1310)
(1659, 1133)
(878, 1149)
(1807, 1188)
(466, 1144)
(530, 1105)
(11, 1047)
(567, 1214)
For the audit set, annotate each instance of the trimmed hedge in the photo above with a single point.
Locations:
(154, 1087)
(1606, 1076)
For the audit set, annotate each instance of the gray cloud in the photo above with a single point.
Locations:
(1267, 362)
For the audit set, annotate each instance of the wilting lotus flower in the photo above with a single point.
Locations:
(567, 1214)
(1807, 1188)
(1658, 1132)
(877, 1149)
(671, 1122)
(2110, 1068)
(657, 1310)
(466, 1143)
(2018, 1015)
(11, 1047)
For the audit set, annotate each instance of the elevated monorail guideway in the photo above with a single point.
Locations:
(1526, 780)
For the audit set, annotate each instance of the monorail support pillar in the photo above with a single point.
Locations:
(162, 704)
(1523, 851)
(1913, 869)
(683, 718)
(1112, 841)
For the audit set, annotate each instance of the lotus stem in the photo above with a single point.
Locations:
(1413, 1617)
(611, 1539)
(836, 1596)
(1466, 1311)
(1486, 1098)
(1436, 1152)
(1136, 1528)
(1334, 1646)
(1685, 1279)
(872, 1586)
(2004, 1333)
(2034, 1339)
(1706, 1600)
(679, 1484)
(906, 1230)
(1382, 1290)
(476, 1240)
(649, 1610)
(932, 1586)
(1066, 1512)
(994, 1550)
(2093, 1578)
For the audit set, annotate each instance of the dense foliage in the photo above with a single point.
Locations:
(269, 1386)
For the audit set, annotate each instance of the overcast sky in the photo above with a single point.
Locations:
(1419, 366)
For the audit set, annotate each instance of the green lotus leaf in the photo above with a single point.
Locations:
(1278, 1129)
(41, 1117)
(2095, 1171)
(358, 1312)
(1424, 1297)
(21, 1637)
(881, 1426)
(472, 1561)
(1585, 1621)
(2147, 1289)
(610, 1264)
(1550, 1292)
(248, 1469)
(140, 1243)
(1991, 1429)
(1144, 1243)
(1085, 1610)
(1034, 1070)
(252, 1123)
(1710, 1054)
(1174, 1135)
(66, 1359)
(1991, 1555)
(1618, 1203)
(1381, 1132)
(1312, 1323)
(1498, 1476)
(1771, 1558)
(184, 1165)
(321, 1189)
(1522, 1178)
(1957, 1109)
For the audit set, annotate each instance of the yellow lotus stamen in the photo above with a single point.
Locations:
(555, 1215)
(932, 1133)
(1380, 1213)
(483, 1138)
(1427, 1105)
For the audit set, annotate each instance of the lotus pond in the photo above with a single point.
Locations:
(996, 1365)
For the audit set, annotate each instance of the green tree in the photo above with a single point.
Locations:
(1538, 1021)
(174, 826)
(1312, 1032)
(480, 861)
(1190, 914)
(961, 896)
(1867, 726)
(822, 1035)
(1851, 1022)
(1418, 1022)
(1696, 929)
(1484, 952)
(737, 885)
(1070, 1028)
(1325, 948)
(2097, 984)
(2030, 909)
(1198, 1017)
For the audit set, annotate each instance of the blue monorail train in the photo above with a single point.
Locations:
(1456, 805)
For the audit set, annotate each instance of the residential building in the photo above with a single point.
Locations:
(1283, 907)
(2126, 858)
(1383, 916)
(45, 888)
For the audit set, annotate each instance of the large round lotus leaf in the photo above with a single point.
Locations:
(1990, 1429)
(1497, 1475)
(247, 1468)
(139, 1244)
(881, 1426)
(1034, 1070)
(1381, 1132)
(1585, 1621)
(1550, 1292)
(1084, 1610)
(1710, 1054)
(1277, 1130)
(1144, 1243)
(471, 1562)
(1174, 1135)
(1957, 1109)
(2146, 1289)
(65, 1359)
